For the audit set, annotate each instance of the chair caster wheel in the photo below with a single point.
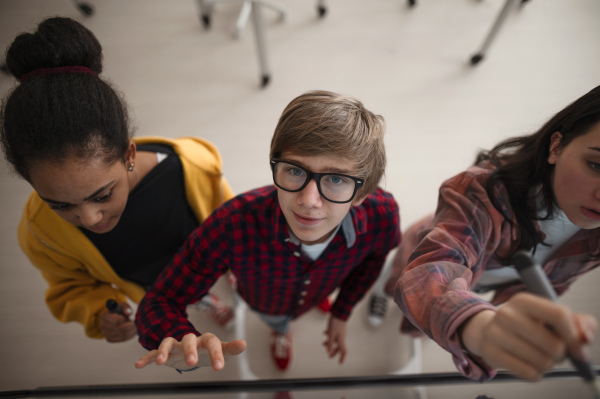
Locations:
(205, 19)
(476, 58)
(85, 8)
(265, 81)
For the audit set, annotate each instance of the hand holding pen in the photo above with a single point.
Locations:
(114, 307)
(115, 323)
(516, 336)
(537, 283)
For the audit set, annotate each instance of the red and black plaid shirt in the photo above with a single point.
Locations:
(249, 236)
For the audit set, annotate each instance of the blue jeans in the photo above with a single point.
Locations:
(279, 323)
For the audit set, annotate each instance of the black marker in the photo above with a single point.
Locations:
(537, 283)
(114, 307)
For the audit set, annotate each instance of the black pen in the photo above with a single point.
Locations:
(537, 283)
(114, 307)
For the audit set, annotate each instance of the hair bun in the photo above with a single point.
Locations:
(58, 42)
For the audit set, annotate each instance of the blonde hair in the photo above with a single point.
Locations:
(327, 123)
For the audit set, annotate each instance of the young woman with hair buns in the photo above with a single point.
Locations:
(108, 211)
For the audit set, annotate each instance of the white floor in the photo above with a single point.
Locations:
(409, 65)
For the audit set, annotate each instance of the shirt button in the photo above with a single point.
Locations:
(301, 301)
(303, 293)
(306, 282)
(296, 254)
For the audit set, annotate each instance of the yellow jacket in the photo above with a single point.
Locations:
(79, 279)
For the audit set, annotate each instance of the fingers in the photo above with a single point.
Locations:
(168, 347)
(189, 344)
(162, 353)
(342, 351)
(335, 345)
(587, 327)
(158, 356)
(526, 337)
(529, 334)
(328, 344)
(175, 353)
(516, 365)
(126, 308)
(502, 348)
(116, 328)
(234, 348)
(334, 348)
(557, 317)
(213, 345)
(338, 347)
(112, 319)
(146, 360)
(336, 338)
(121, 333)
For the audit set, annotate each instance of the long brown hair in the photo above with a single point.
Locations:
(522, 163)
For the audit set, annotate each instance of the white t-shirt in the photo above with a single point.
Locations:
(315, 250)
(558, 231)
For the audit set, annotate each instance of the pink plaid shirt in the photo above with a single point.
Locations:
(443, 256)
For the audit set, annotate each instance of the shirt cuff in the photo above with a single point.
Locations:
(468, 364)
(473, 367)
(340, 312)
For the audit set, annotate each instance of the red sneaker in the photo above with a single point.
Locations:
(325, 306)
(216, 310)
(281, 349)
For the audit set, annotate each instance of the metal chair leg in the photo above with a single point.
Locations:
(321, 8)
(508, 5)
(205, 12)
(260, 43)
(246, 10)
(206, 9)
(86, 8)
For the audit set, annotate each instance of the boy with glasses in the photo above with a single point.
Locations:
(324, 225)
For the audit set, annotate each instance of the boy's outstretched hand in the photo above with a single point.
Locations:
(336, 338)
(183, 354)
(528, 335)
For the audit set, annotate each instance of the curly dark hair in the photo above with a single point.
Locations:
(50, 117)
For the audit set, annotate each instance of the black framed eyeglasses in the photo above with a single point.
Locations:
(334, 187)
